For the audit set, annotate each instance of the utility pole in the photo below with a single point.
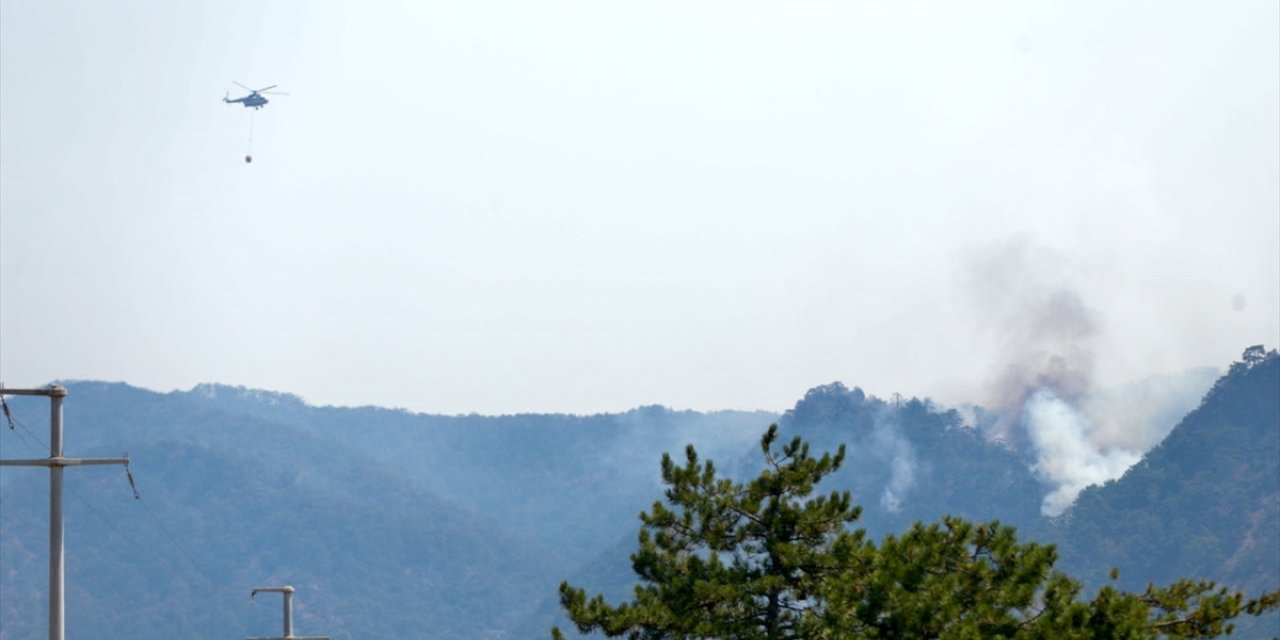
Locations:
(55, 462)
(288, 614)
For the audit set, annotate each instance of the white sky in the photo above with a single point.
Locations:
(584, 206)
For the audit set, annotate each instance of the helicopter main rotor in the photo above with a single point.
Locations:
(266, 90)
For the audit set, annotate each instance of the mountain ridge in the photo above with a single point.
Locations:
(389, 520)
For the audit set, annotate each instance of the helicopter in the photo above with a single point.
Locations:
(255, 98)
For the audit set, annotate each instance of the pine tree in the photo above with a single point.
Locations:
(729, 560)
(765, 560)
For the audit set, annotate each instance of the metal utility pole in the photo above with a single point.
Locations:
(55, 462)
(288, 614)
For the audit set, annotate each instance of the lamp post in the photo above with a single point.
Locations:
(288, 614)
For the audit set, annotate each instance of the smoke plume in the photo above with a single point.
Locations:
(896, 451)
(1044, 340)
(1066, 454)
(1043, 332)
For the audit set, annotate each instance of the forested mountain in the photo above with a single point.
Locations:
(906, 461)
(568, 481)
(230, 502)
(384, 520)
(1205, 502)
(909, 460)
(392, 523)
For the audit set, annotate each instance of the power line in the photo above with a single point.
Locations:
(8, 414)
(182, 548)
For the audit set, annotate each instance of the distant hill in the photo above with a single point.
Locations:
(568, 481)
(387, 522)
(906, 460)
(230, 502)
(398, 524)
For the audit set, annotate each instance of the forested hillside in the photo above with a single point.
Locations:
(910, 460)
(230, 502)
(1203, 503)
(383, 519)
(390, 522)
(568, 481)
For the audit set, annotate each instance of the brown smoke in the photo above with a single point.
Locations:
(1042, 332)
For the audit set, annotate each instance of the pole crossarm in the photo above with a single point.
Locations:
(257, 590)
(291, 638)
(60, 461)
(52, 391)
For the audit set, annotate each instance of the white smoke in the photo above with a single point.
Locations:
(1067, 455)
(889, 443)
(1138, 415)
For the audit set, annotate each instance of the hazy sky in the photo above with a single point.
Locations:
(584, 206)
